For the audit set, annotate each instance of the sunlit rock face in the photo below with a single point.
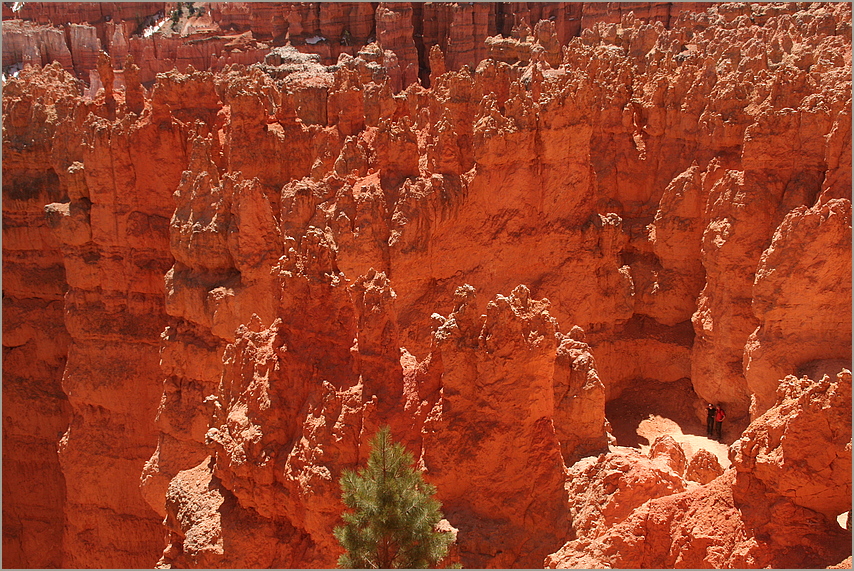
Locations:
(527, 255)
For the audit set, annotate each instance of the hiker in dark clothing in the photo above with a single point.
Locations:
(720, 415)
(710, 420)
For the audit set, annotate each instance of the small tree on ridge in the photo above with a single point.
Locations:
(392, 525)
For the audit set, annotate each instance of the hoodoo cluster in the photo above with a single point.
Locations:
(221, 280)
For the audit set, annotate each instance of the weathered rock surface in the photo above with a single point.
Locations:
(113, 235)
(497, 383)
(35, 339)
(220, 283)
(605, 490)
(703, 467)
(799, 451)
(579, 399)
(88, 12)
(213, 35)
(26, 43)
(776, 507)
(803, 320)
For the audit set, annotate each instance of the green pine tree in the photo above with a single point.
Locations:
(392, 525)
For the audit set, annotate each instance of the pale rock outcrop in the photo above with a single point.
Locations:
(667, 451)
(31, 44)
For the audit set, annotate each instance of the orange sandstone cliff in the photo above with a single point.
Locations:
(221, 280)
(211, 35)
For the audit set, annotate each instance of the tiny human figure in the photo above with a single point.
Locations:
(710, 420)
(720, 415)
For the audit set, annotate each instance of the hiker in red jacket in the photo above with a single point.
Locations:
(720, 415)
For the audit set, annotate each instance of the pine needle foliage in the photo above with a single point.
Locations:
(392, 525)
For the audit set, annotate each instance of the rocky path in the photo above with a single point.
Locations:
(645, 412)
(655, 426)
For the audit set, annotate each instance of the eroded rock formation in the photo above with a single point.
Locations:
(777, 508)
(35, 339)
(229, 279)
(211, 35)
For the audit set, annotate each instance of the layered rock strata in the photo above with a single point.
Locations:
(261, 266)
(35, 338)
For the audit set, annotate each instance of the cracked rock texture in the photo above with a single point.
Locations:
(221, 280)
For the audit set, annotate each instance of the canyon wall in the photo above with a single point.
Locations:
(220, 285)
(35, 339)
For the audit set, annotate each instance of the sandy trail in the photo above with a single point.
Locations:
(645, 411)
(654, 426)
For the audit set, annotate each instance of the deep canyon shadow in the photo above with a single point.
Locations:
(676, 401)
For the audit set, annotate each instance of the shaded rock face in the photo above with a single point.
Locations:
(220, 285)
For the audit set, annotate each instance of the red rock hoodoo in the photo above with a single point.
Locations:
(534, 239)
